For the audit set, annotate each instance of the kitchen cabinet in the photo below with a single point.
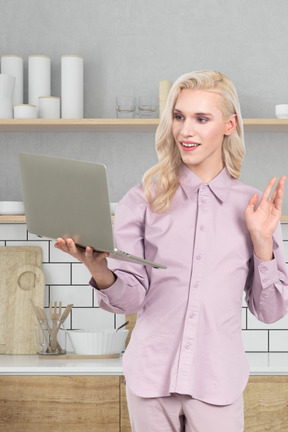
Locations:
(89, 395)
(59, 403)
(98, 403)
(266, 404)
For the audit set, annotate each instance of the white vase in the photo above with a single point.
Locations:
(72, 70)
(39, 78)
(7, 83)
(13, 65)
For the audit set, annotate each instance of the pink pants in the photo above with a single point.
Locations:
(178, 413)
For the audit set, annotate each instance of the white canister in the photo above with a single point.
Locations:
(7, 83)
(49, 107)
(72, 71)
(13, 65)
(39, 77)
(25, 111)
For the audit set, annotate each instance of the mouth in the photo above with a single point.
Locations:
(188, 145)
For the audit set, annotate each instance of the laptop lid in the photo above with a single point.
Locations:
(69, 198)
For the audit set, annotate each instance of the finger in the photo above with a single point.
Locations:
(61, 244)
(252, 203)
(90, 253)
(71, 246)
(279, 189)
(268, 190)
(279, 198)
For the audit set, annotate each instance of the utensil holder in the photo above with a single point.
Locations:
(46, 344)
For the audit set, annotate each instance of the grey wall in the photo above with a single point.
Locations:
(128, 46)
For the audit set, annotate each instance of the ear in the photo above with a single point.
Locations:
(231, 125)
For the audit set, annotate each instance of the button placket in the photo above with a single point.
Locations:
(193, 308)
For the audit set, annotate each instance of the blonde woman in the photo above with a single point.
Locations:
(185, 365)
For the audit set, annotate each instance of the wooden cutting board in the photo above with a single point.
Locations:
(21, 279)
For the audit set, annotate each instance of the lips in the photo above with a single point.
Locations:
(189, 146)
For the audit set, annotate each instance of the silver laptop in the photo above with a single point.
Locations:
(69, 198)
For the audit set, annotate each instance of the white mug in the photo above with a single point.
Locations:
(7, 83)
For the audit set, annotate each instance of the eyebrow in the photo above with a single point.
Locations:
(195, 114)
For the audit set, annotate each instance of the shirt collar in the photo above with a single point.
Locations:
(190, 182)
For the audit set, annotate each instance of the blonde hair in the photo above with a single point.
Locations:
(161, 181)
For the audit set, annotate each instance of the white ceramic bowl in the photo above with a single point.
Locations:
(102, 342)
(11, 207)
(281, 111)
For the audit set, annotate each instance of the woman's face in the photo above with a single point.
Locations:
(198, 129)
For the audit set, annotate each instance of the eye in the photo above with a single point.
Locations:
(178, 116)
(202, 120)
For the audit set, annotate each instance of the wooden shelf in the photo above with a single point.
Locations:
(120, 125)
(12, 219)
(265, 125)
(22, 219)
(78, 125)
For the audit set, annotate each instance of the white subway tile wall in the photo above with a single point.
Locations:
(67, 280)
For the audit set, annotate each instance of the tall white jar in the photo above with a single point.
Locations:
(39, 77)
(72, 94)
(13, 65)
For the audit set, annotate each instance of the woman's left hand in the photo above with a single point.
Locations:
(262, 221)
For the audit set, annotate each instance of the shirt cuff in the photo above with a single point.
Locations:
(267, 270)
(109, 295)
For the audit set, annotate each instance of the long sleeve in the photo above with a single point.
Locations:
(267, 284)
(128, 292)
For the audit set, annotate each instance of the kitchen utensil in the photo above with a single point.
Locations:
(21, 279)
(123, 325)
(54, 314)
(64, 315)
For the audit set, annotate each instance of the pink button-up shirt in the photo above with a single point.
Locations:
(187, 338)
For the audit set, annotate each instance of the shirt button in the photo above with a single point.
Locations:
(202, 228)
(191, 315)
(196, 285)
(263, 269)
(188, 346)
(198, 257)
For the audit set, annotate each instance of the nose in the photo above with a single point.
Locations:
(187, 128)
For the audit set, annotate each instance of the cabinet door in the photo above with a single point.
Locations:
(266, 404)
(69, 403)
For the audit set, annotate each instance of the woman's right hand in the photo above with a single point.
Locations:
(95, 262)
